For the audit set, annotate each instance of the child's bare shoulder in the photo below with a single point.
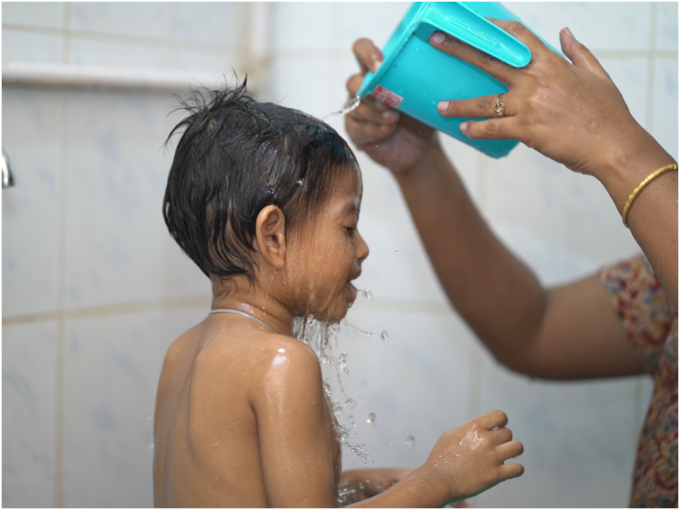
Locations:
(256, 358)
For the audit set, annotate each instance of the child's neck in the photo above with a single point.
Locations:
(255, 301)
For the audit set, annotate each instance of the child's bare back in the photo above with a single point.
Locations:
(225, 389)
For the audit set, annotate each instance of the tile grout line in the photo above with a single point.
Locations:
(139, 40)
(475, 396)
(66, 43)
(649, 117)
(220, 48)
(438, 308)
(59, 496)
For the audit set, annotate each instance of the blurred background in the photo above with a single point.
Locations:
(94, 289)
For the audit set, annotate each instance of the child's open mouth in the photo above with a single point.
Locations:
(352, 292)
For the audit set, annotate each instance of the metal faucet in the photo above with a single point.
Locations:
(7, 177)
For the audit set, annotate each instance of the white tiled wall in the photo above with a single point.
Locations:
(94, 290)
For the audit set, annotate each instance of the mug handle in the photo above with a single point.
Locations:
(461, 22)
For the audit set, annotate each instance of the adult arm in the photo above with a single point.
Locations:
(565, 332)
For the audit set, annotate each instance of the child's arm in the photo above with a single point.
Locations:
(295, 452)
(360, 484)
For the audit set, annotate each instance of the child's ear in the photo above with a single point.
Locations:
(270, 231)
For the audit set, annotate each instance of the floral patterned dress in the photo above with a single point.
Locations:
(651, 325)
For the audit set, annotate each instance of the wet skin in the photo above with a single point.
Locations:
(235, 424)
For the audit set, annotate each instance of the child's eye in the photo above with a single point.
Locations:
(351, 230)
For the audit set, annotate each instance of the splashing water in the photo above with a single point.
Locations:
(371, 418)
(385, 336)
(349, 108)
(359, 331)
(319, 335)
(365, 293)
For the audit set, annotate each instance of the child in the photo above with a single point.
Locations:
(265, 200)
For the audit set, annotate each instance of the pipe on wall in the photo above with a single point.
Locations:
(59, 75)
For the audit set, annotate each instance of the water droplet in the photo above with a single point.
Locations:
(396, 251)
(148, 417)
(410, 441)
(371, 418)
(281, 350)
(384, 335)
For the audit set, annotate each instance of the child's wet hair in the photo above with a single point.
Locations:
(237, 156)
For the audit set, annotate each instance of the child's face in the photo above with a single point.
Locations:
(328, 255)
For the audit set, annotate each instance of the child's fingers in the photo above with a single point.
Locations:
(365, 112)
(510, 449)
(492, 419)
(501, 435)
(508, 471)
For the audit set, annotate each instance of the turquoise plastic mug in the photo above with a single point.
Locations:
(415, 76)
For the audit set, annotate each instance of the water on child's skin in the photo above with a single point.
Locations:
(264, 301)
(349, 108)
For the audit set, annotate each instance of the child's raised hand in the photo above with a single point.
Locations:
(470, 459)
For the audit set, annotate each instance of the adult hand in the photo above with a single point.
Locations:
(391, 139)
(570, 112)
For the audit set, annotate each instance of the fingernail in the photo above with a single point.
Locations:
(463, 128)
(442, 106)
(568, 32)
(437, 38)
(390, 115)
(376, 65)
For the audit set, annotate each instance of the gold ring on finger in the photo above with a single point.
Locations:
(500, 106)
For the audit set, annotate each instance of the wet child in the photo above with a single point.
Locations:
(266, 200)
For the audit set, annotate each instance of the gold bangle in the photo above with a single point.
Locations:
(638, 190)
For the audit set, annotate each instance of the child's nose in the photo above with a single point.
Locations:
(362, 250)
